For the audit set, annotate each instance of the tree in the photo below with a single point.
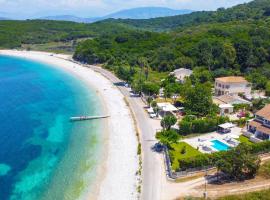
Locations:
(204, 53)
(168, 121)
(243, 52)
(184, 62)
(168, 137)
(267, 88)
(149, 100)
(150, 88)
(123, 73)
(239, 163)
(170, 89)
(144, 65)
(155, 107)
(198, 100)
(201, 75)
(228, 55)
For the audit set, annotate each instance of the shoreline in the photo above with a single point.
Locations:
(119, 144)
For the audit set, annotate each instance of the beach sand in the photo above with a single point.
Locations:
(117, 173)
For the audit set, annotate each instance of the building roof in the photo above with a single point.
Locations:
(260, 127)
(232, 79)
(167, 107)
(229, 99)
(226, 125)
(265, 112)
(181, 73)
(225, 106)
(182, 70)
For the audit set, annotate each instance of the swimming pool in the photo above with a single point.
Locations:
(220, 146)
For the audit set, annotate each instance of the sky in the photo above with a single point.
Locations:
(22, 9)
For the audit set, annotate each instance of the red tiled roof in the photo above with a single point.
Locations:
(260, 127)
(232, 79)
(265, 112)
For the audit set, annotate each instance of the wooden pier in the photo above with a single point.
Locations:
(83, 118)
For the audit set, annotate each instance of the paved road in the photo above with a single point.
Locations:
(152, 164)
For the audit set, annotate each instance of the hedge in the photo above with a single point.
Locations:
(210, 159)
(202, 125)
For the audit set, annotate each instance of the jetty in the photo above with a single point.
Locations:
(82, 118)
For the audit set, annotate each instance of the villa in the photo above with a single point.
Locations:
(181, 74)
(232, 85)
(258, 129)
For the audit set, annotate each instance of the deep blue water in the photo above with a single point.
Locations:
(42, 154)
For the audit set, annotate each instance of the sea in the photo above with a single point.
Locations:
(44, 156)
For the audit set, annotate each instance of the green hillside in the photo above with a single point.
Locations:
(223, 48)
(253, 10)
(16, 33)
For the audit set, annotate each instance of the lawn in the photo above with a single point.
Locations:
(264, 170)
(260, 195)
(181, 150)
(244, 139)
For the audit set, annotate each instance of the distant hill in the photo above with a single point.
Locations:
(253, 10)
(70, 18)
(135, 13)
(3, 18)
(146, 13)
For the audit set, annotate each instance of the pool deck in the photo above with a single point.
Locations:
(197, 142)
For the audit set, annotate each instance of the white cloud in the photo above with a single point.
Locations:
(30, 8)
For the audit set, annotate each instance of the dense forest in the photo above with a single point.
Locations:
(222, 44)
(14, 34)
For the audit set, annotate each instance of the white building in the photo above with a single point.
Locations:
(232, 85)
(225, 109)
(181, 74)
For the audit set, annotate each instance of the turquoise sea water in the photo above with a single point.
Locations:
(220, 146)
(42, 154)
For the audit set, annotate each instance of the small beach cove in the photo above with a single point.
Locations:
(117, 162)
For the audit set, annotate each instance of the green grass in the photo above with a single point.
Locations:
(244, 139)
(177, 153)
(264, 170)
(260, 195)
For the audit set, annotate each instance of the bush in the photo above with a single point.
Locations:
(168, 137)
(203, 125)
(241, 122)
(212, 159)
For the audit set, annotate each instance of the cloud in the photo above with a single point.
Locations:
(28, 8)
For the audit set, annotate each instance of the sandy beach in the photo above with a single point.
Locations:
(117, 173)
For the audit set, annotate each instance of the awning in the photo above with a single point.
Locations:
(167, 107)
(226, 125)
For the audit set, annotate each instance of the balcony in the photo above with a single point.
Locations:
(255, 139)
(247, 133)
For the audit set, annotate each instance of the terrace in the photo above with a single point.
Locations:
(213, 142)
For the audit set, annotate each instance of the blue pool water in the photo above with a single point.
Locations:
(220, 146)
(42, 154)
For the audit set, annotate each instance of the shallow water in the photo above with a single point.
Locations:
(42, 154)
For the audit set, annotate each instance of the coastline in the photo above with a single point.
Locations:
(114, 179)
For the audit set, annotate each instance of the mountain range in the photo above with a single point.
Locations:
(135, 13)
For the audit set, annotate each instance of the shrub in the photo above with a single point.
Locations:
(203, 125)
